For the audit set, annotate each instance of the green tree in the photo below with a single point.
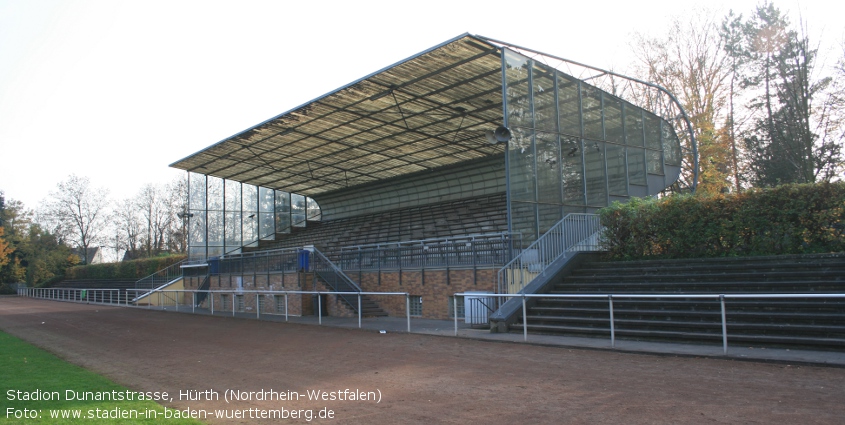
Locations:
(77, 213)
(784, 143)
(690, 61)
(5, 250)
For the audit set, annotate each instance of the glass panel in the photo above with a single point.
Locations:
(215, 251)
(653, 162)
(197, 229)
(545, 112)
(573, 172)
(548, 168)
(521, 165)
(524, 221)
(314, 213)
(591, 107)
(196, 253)
(572, 209)
(596, 182)
(215, 194)
(266, 203)
(633, 125)
(652, 131)
(617, 180)
(549, 216)
(266, 200)
(233, 229)
(613, 120)
(297, 210)
(671, 145)
(282, 212)
(636, 166)
(215, 228)
(516, 75)
(197, 191)
(233, 196)
(250, 214)
(568, 105)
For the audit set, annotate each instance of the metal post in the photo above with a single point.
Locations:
(455, 311)
(258, 306)
(286, 306)
(233, 303)
(524, 320)
(359, 310)
(319, 309)
(612, 329)
(211, 297)
(724, 325)
(408, 310)
(193, 302)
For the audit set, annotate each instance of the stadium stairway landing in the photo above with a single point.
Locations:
(800, 322)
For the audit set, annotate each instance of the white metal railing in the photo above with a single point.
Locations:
(184, 300)
(611, 297)
(575, 232)
(165, 275)
(80, 295)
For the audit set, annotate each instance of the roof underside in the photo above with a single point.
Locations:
(425, 112)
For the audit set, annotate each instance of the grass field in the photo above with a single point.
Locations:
(40, 388)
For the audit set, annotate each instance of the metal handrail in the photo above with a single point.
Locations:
(610, 298)
(322, 259)
(574, 232)
(165, 275)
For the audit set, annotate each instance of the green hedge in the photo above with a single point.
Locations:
(788, 219)
(133, 269)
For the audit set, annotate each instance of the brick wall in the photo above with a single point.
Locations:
(434, 286)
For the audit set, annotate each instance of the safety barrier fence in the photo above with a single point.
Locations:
(186, 300)
(575, 232)
(611, 297)
(91, 296)
(244, 300)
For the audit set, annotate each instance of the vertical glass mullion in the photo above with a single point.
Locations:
(507, 144)
(625, 146)
(559, 142)
(534, 146)
(604, 150)
(581, 140)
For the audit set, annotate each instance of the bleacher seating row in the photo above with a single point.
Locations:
(487, 214)
(808, 322)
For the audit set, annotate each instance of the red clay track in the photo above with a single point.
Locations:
(422, 379)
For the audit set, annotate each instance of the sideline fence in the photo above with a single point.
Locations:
(186, 301)
(611, 297)
(80, 295)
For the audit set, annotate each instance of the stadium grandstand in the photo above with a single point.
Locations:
(428, 177)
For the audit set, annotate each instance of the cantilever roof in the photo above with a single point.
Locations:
(424, 112)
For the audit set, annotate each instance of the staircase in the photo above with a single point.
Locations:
(809, 322)
(331, 276)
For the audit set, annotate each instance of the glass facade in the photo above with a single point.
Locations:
(225, 215)
(574, 147)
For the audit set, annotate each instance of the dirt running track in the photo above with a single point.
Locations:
(422, 379)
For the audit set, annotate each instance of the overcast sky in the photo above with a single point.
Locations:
(117, 90)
